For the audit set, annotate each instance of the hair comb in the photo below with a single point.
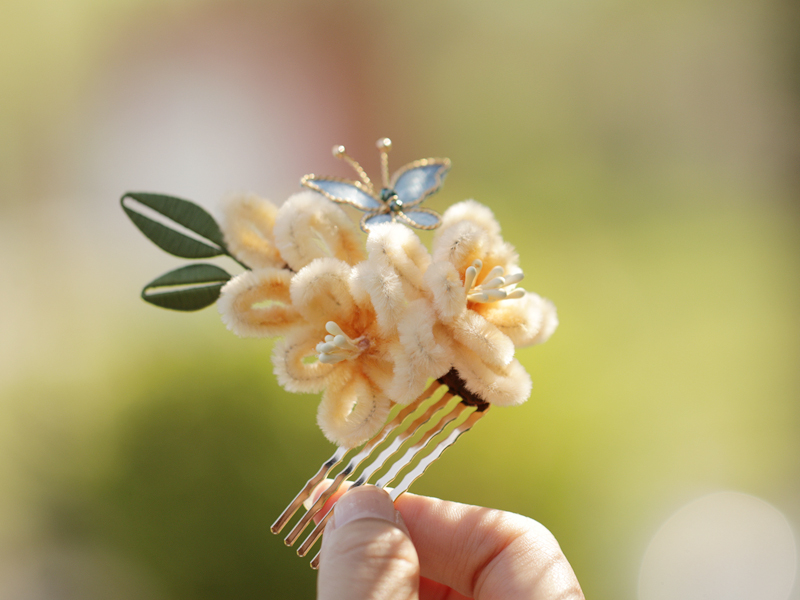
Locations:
(409, 347)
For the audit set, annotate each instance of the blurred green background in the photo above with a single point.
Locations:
(642, 157)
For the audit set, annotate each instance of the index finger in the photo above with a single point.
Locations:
(487, 554)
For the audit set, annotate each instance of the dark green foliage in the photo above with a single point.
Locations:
(188, 296)
(194, 292)
(185, 213)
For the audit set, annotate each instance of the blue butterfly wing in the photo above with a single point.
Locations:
(418, 180)
(421, 218)
(342, 190)
(368, 221)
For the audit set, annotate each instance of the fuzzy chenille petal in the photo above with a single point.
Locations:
(257, 303)
(498, 254)
(475, 212)
(395, 246)
(296, 375)
(506, 386)
(247, 224)
(393, 275)
(526, 321)
(461, 245)
(447, 289)
(423, 352)
(469, 231)
(321, 292)
(352, 411)
(476, 333)
(310, 226)
(382, 287)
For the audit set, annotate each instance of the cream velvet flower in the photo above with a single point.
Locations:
(392, 280)
(370, 329)
(301, 254)
(276, 243)
(352, 365)
(473, 283)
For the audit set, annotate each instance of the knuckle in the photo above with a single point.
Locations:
(524, 541)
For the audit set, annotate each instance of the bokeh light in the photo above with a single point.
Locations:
(726, 545)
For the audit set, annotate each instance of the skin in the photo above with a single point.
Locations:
(429, 549)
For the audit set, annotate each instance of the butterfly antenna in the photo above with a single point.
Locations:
(340, 152)
(384, 145)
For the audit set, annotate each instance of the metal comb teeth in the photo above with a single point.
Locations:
(423, 429)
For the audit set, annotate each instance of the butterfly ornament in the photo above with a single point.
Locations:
(397, 201)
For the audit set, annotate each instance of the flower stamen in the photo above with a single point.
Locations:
(492, 289)
(338, 346)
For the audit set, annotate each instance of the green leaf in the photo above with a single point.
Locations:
(191, 296)
(185, 213)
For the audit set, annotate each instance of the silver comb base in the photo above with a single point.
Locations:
(425, 429)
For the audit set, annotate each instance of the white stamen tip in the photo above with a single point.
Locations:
(469, 277)
(326, 348)
(496, 272)
(343, 342)
(495, 287)
(495, 295)
(332, 328)
(494, 283)
(478, 297)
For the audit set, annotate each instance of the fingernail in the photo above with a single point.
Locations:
(321, 488)
(368, 502)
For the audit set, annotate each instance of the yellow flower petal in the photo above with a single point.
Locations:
(461, 245)
(476, 333)
(257, 303)
(506, 386)
(247, 223)
(423, 353)
(397, 247)
(309, 226)
(526, 321)
(449, 295)
(472, 211)
(352, 411)
(293, 373)
(321, 292)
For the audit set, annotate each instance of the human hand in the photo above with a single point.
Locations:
(429, 549)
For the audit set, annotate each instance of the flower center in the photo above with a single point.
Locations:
(496, 286)
(338, 346)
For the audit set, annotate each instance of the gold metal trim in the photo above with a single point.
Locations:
(404, 217)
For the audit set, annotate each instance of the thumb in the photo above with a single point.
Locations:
(366, 551)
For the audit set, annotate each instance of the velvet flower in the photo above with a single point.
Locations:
(369, 329)
(299, 289)
(339, 350)
(473, 284)
(276, 243)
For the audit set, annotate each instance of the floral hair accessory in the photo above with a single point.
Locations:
(398, 340)
(397, 200)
